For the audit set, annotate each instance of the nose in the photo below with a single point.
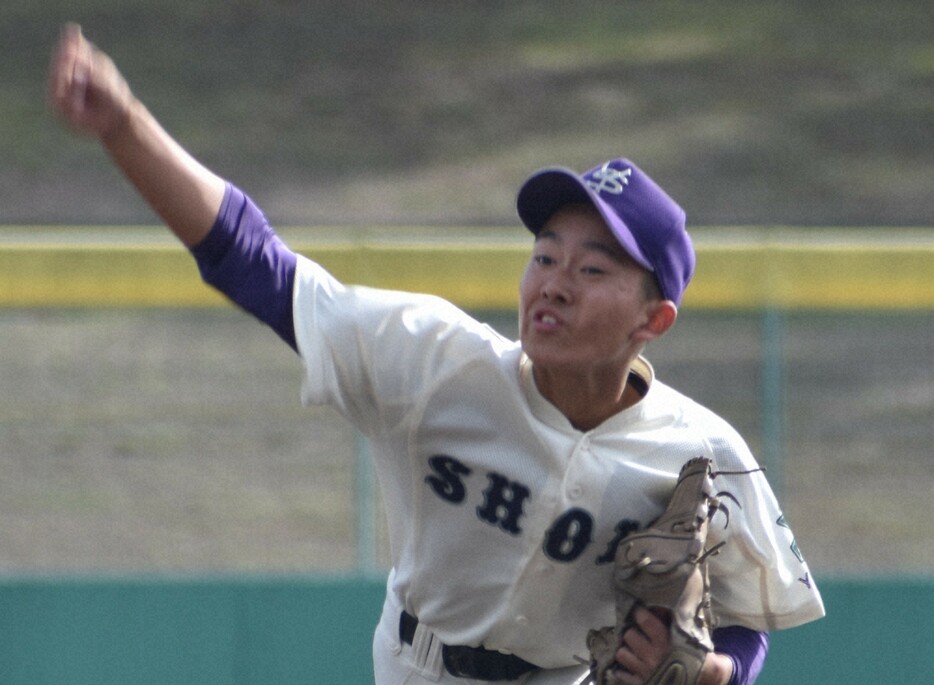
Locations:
(556, 287)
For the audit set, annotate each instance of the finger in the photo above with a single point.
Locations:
(64, 65)
(653, 626)
(625, 678)
(638, 642)
(630, 660)
(80, 74)
(58, 68)
(633, 668)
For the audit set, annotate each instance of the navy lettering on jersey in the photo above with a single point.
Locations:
(569, 536)
(502, 503)
(623, 528)
(447, 482)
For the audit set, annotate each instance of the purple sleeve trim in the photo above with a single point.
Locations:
(747, 650)
(244, 259)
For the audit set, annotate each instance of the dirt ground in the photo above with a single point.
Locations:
(174, 442)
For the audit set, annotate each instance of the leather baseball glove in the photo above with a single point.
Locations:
(664, 567)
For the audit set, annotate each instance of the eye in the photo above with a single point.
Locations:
(543, 260)
(593, 270)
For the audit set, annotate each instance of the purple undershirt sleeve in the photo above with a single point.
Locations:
(747, 650)
(244, 259)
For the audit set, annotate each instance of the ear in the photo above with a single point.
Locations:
(660, 316)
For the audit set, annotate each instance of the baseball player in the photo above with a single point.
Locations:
(510, 470)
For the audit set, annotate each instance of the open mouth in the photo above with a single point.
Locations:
(546, 320)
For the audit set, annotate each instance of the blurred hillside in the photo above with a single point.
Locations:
(817, 113)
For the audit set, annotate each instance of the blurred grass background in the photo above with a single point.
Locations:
(784, 112)
(172, 441)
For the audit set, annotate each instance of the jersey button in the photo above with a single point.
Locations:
(574, 492)
(522, 620)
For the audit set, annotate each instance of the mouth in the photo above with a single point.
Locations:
(545, 320)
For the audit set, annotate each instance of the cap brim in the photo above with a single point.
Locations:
(547, 191)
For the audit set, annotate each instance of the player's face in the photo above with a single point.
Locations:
(582, 299)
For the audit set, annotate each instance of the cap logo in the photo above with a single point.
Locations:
(607, 179)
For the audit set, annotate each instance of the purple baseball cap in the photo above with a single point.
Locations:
(645, 220)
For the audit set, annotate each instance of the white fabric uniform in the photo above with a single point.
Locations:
(502, 517)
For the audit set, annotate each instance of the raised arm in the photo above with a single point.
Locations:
(237, 251)
(88, 92)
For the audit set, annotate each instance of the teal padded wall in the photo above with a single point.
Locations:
(248, 631)
(204, 632)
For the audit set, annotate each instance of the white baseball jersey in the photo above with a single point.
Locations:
(503, 518)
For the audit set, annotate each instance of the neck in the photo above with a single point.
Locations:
(587, 400)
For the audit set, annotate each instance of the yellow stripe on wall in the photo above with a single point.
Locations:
(140, 267)
(814, 277)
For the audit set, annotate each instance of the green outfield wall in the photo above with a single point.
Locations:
(316, 631)
(476, 268)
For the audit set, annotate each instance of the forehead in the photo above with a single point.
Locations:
(580, 222)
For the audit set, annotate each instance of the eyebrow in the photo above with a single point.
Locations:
(614, 251)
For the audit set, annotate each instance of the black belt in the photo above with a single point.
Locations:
(471, 662)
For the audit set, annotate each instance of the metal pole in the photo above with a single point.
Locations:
(365, 498)
(773, 392)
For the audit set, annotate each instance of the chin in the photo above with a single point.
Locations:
(543, 357)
